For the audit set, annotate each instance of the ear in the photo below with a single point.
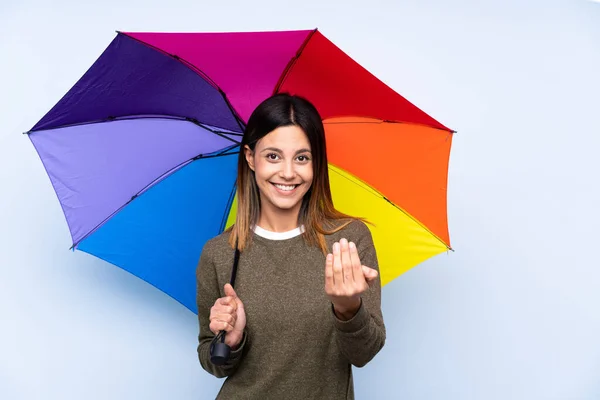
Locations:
(249, 156)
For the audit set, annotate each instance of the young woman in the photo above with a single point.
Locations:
(306, 304)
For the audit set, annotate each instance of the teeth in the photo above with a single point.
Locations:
(286, 188)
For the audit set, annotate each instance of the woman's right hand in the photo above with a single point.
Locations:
(227, 314)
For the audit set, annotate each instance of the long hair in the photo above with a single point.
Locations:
(317, 211)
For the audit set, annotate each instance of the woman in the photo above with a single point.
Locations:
(306, 306)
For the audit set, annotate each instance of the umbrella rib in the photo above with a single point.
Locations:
(110, 118)
(219, 132)
(381, 121)
(202, 74)
(215, 131)
(221, 153)
(293, 61)
(362, 184)
(228, 207)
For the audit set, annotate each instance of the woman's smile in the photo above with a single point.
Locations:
(285, 189)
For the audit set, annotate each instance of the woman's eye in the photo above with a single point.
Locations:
(303, 158)
(272, 156)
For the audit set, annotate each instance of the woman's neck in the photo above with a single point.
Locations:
(278, 220)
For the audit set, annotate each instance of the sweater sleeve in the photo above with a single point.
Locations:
(363, 336)
(207, 293)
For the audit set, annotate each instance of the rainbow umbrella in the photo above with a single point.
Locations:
(142, 150)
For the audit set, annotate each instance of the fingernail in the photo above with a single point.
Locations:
(336, 246)
(352, 245)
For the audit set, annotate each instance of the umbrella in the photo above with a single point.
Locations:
(142, 150)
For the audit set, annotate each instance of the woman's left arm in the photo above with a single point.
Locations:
(360, 332)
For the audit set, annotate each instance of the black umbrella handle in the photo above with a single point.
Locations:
(219, 351)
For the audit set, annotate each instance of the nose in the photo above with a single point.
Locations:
(288, 171)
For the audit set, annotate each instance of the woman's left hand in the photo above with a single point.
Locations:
(346, 279)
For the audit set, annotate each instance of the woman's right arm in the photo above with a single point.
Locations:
(208, 290)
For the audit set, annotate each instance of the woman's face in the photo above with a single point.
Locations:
(282, 165)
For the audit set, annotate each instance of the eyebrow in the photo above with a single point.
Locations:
(280, 151)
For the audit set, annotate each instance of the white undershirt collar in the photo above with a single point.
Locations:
(278, 235)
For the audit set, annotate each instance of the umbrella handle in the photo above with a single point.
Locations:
(219, 351)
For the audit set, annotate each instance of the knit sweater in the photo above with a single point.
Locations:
(294, 346)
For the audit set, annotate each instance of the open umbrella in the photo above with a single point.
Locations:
(142, 150)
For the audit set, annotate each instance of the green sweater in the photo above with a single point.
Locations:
(294, 346)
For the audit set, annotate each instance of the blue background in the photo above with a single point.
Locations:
(512, 314)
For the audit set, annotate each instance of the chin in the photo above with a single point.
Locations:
(286, 206)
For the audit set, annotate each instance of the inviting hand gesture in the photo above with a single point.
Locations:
(346, 279)
(227, 314)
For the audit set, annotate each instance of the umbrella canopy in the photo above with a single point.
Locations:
(142, 150)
